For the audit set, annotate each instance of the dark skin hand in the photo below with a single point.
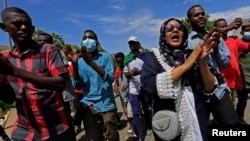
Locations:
(133, 72)
(125, 87)
(234, 25)
(6, 67)
(213, 38)
(73, 57)
(86, 56)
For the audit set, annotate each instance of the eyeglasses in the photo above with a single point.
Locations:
(170, 27)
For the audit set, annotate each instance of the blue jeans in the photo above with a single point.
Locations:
(146, 102)
(137, 114)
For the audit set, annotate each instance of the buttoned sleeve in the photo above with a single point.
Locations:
(223, 55)
(54, 61)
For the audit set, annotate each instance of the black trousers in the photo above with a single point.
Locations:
(3, 134)
(223, 110)
(242, 102)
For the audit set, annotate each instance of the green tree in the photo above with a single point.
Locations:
(100, 48)
(75, 47)
(57, 38)
(36, 33)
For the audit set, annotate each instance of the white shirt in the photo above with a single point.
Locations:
(134, 82)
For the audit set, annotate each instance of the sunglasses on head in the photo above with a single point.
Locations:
(170, 27)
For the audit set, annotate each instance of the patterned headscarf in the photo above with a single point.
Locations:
(174, 56)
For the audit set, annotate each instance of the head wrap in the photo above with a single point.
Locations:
(174, 56)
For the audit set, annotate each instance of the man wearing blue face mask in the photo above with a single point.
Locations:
(90, 44)
(245, 71)
(94, 72)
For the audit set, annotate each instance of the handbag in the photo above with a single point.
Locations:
(165, 124)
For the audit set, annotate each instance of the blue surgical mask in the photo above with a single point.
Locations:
(246, 36)
(90, 44)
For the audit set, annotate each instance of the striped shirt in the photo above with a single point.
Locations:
(40, 111)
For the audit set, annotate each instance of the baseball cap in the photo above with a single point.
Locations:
(133, 38)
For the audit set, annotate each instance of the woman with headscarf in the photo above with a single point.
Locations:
(180, 81)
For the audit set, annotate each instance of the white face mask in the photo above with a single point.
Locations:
(90, 44)
(246, 36)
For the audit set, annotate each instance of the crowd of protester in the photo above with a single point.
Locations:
(58, 93)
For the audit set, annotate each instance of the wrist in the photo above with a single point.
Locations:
(92, 64)
(201, 61)
(227, 28)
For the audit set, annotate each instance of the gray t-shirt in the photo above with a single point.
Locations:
(122, 80)
(68, 93)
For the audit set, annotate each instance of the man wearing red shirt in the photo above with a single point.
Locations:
(235, 46)
(232, 74)
(34, 77)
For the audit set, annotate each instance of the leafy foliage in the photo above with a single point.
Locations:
(99, 47)
(57, 38)
(36, 33)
